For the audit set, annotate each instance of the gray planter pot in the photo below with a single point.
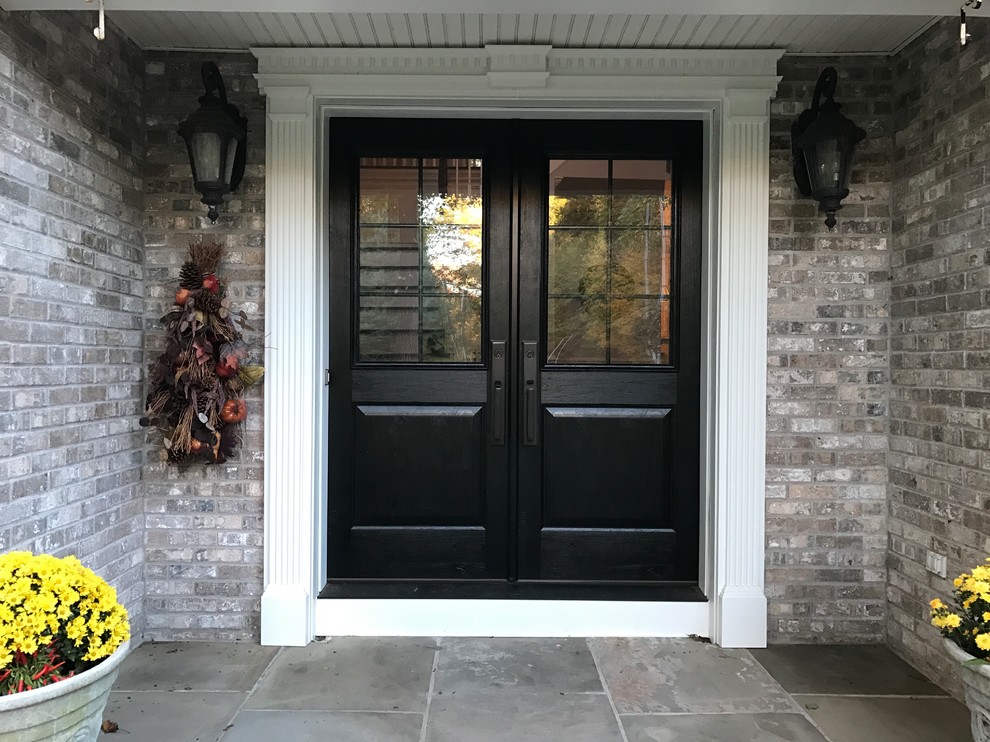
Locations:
(69, 711)
(976, 679)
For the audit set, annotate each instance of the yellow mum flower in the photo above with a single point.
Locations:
(948, 621)
(45, 599)
(983, 641)
(936, 604)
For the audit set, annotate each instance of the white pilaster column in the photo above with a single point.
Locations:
(293, 372)
(740, 609)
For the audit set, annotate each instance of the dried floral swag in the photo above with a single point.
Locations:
(197, 384)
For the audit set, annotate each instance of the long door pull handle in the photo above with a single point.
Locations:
(497, 396)
(530, 393)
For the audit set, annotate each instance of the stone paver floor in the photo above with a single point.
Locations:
(517, 690)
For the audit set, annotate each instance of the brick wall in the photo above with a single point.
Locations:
(204, 524)
(940, 330)
(71, 295)
(828, 373)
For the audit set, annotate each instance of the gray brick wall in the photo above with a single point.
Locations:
(72, 295)
(828, 373)
(940, 330)
(204, 524)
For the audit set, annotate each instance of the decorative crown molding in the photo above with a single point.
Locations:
(517, 65)
(518, 70)
(666, 62)
(367, 61)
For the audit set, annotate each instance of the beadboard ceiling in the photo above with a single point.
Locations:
(854, 26)
(796, 33)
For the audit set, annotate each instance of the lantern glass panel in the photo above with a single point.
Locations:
(206, 156)
(231, 156)
(848, 150)
(829, 157)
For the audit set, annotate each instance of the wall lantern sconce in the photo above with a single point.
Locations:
(823, 143)
(216, 138)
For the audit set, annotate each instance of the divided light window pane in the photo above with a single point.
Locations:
(610, 243)
(419, 259)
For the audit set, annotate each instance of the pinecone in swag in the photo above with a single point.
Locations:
(197, 382)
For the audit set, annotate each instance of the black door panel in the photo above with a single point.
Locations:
(515, 349)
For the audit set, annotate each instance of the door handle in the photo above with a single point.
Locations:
(497, 395)
(530, 393)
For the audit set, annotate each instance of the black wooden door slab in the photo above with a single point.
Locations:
(515, 356)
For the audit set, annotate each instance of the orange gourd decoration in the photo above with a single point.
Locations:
(234, 411)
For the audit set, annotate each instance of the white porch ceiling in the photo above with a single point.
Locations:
(796, 33)
(852, 26)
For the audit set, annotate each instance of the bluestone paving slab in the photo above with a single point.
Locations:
(170, 716)
(521, 717)
(194, 666)
(721, 728)
(648, 675)
(889, 719)
(516, 665)
(523, 690)
(324, 726)
(349, 674)
(849, 669)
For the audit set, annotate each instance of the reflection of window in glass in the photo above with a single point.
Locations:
(609, 262)
(419, 259)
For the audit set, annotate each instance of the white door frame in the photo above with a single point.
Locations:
(729, 91)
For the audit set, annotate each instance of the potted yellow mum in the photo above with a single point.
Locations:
(62, 637)
(966, 629)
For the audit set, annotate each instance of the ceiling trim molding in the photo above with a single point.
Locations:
(690, 7)
(519, 72)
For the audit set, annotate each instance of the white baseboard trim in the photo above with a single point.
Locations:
(508, 618)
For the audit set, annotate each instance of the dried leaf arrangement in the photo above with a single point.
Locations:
(197, 384)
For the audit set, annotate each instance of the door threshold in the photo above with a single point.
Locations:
(669, 591)
(510, 618)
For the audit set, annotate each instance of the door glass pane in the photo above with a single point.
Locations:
(609, 277)
(577, 329)
(578, 192)
(419, 259)
(640, 192)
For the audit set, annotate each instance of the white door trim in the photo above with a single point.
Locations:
(729, 91)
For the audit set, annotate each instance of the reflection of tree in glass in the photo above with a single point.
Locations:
(373, 208)
(452, 253)
(609, 286)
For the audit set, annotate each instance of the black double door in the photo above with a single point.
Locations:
(514, 356)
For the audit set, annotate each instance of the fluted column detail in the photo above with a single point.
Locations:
(740, 434)
(293, 373)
